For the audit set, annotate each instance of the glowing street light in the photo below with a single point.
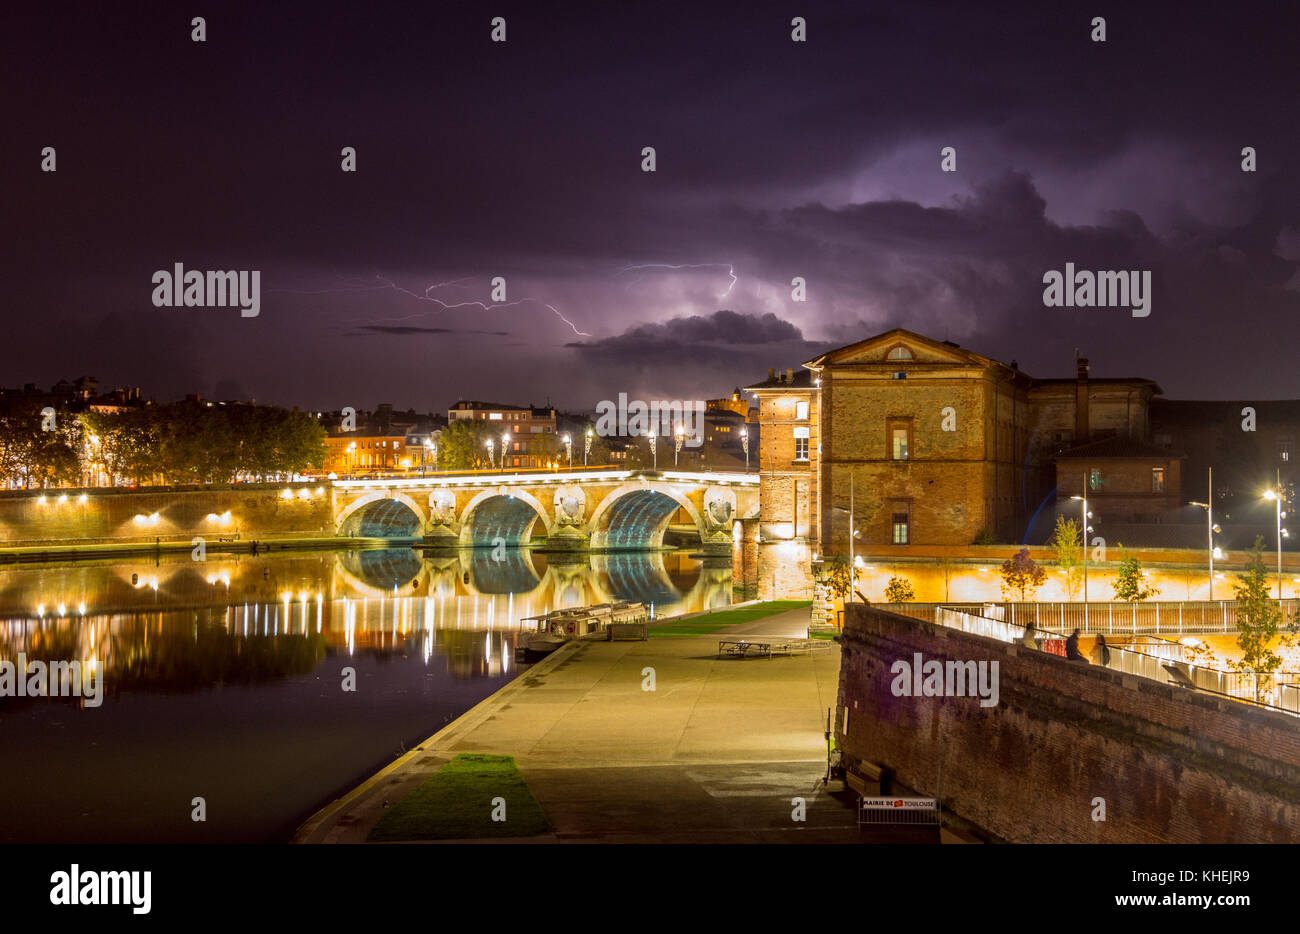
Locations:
(1210, 528)
(679, 435)
(654, 453)
(568, 444)
(744, 443)
(1276, 497)
(490, 445)
(505, 441)
(586, 448)
(1084, 516)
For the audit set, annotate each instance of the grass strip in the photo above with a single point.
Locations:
(458, 802)
(712, 622)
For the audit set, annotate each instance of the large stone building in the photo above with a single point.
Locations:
(933, 444)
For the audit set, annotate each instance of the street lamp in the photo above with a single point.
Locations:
(568, 445)
(654, 452)
(744, 443)
(505, 442)
(1210, 529)
(586, 448)
(1084, 516)
(352, 456)
(433, 447)
(1276, 497)
(679, 435)
(490, 445)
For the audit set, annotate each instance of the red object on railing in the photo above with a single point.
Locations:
(1055, 646)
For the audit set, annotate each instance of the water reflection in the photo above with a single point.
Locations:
(180, 626)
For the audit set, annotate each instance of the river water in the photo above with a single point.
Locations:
(225, 679)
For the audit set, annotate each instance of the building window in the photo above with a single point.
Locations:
(1094, 479)
(900, 353)
(899, 442)
(1157, 479)
(801, 411)
(801, 444)
(902, 528)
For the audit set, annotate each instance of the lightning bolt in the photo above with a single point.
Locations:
(730, 267)
(388, 284)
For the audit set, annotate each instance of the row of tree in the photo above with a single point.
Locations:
(182, 442)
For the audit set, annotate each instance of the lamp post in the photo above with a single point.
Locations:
(1210, 529)
(654, 453)
(679, 435)
(1276, 497)
(586, 447)
(744, 443)
(1084, 516)
(568, 445)
(433, 447)
(490, 445)
(352, 456)
(505, 442)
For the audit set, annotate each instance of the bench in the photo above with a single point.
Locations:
(741, 648)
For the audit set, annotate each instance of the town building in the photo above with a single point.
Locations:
(533, 440)
(924, 442)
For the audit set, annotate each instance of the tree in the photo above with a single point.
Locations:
(1258, 616)
(899, 590)
(463, 445)
(1130, 583)
(1021, 576)
(1067, 539)
(837, 577)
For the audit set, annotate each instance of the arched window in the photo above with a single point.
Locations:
(900, 353)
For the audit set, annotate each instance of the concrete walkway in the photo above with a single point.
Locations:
(715, 752)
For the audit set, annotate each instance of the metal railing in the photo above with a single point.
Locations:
(1280, 690)
(1140, 618)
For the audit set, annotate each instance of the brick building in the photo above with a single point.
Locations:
(938, 445)
(533, 442)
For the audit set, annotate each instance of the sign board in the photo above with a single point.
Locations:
(885, 804)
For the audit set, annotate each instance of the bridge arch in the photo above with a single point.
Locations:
(634, 516)
(375, 573)
(502, 513)
(383, 514)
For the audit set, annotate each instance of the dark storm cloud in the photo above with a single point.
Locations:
(413, 329)
(522, 160)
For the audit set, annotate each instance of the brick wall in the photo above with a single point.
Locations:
(1172, 766)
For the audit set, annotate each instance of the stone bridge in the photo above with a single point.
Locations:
(603, 510)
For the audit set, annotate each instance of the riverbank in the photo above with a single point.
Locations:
(654, 741)
(90, 551)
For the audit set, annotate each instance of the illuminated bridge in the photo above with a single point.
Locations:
(605, 510)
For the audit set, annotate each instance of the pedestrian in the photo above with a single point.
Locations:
(1028, 640)
(1072, 648)
(1101, 651)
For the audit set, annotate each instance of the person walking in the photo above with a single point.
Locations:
(1101, 651)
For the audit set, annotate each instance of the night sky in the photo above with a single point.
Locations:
(522, 159)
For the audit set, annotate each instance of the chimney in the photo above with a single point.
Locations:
(789, 375)
(771, 373)
(1081, 430)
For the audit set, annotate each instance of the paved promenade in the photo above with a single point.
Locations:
(714, 753)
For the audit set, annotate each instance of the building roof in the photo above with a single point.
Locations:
(800, 379)
(1119, 446)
